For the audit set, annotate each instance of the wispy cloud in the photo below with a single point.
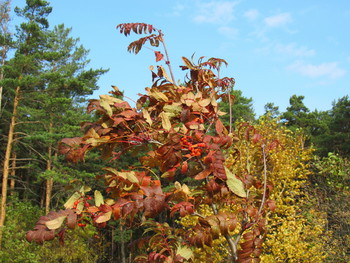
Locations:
(229, 32)
(270, 23)
(293, 49)
(215, 12)
(330, 70)
(177, 9)
(251, 14)
(278, 20)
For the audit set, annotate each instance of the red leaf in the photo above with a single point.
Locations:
(152, 190)
(219, 127)
(154, 205)
(71, 220)
(256, 137)
(159, 56)
(184, 167)
(203, 174)
(186, 208)
(271, 204)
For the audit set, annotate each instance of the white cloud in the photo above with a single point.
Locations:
(330, 70)
(278, 20)
(178, 9)
(215, 12)
(229, 32)
(293, 50)
(252, 14)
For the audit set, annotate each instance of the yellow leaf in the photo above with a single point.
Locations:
(165, 75)
(173, 109)
(158, 95)
(165, 121)
(71, 200)
(132, 178)
(184, 252)
(105, 105)
(98, 198)
(110, 100)
(55, 223)
(187, 63)
(204, 102)
(85, 189)
(147, 116)
(104, 217)
(234, 184)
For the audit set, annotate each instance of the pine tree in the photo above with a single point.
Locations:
(21, 71)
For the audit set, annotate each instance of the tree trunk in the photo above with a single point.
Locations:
(122, 244)
(6, 167)
(49, 181)
(13, 174)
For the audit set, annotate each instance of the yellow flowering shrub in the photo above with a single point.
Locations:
(294, 230)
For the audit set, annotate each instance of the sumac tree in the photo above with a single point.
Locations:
(182, 168)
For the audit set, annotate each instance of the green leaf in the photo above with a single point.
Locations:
(184, 252)
(55, 223)
(98, 198)
(234, 184)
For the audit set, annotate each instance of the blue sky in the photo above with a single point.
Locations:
(275, 49)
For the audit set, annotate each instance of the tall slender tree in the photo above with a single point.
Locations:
(5, 39)
(22, 69)
(67, 83)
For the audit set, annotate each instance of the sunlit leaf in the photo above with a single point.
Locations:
(158, 95)
(159, 55)
(104, 217)
(105, 105)
(165, 121)
(172, 109)
(184, 252)
(110, 100)
(163, 72)
(98, 198)
(147, 116)
(234, 184)
(187, 63)
(85, 189)
(132, 178)
(71, 200)
(55, 223)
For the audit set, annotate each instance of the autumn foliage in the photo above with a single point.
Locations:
(183, 167)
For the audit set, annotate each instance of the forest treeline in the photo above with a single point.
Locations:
(45, 83)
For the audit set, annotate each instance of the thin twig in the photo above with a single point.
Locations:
(230, 107)
(265, 180)
(167, 56)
